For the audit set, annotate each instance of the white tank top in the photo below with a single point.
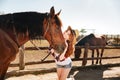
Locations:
(65, 62)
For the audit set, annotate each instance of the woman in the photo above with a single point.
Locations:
(64, 63)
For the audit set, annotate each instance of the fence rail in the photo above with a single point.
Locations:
(22, 62)
(44, 48)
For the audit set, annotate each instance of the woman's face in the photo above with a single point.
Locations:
(66, 34)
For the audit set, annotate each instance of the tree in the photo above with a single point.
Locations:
(83, 31)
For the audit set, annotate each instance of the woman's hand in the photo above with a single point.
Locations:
(62, 56)
(52, 50)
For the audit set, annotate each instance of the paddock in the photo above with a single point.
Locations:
(33, 65)
(82, 58)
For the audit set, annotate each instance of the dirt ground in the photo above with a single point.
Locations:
(80, 73)
(109, 73)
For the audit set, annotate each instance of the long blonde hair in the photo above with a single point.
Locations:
(71, 42)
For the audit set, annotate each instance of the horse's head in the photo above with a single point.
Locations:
(71, 40)
(52, 31)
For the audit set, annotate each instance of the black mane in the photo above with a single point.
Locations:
(85, 40)
(23, 22)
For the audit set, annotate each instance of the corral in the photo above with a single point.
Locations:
(36, 68)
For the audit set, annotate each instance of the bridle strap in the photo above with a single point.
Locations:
(47, 28)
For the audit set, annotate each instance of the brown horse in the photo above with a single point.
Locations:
(92, 40)
(17, 28)
(71, 42)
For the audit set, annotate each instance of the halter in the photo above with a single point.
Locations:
(48, 26)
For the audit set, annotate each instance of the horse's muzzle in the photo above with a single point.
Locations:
(59, 48)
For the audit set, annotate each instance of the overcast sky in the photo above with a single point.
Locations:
(100, 16)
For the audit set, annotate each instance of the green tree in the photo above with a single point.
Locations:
(83, 31)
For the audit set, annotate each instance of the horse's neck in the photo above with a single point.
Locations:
(22, 39)
(19, 38)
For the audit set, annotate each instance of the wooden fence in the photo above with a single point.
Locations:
(84, 59)
(86, 47)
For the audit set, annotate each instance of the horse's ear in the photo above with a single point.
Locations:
(59, 13)
(52, 11)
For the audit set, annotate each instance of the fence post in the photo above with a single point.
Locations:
(77, 53)
(21, 58)
(85, 54)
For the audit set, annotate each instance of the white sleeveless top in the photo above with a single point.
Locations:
(65, 62)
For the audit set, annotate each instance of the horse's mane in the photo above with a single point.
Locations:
(85, 39)
(31, 22)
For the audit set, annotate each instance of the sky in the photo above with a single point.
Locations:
(98, 16)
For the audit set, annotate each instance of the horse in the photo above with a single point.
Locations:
(92, 40)
(18, 28)
(71, 41)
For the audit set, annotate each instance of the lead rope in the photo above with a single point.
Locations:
(41, 50)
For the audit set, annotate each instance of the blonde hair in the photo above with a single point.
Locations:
(71, 42)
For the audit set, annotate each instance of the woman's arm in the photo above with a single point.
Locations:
(62, 56)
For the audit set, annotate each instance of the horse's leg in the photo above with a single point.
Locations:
(102, 50)
(97, 50)
(3, 59)
(1, 65)
(7, 55)
(92, 56)
(5, 65)
(4, 70)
